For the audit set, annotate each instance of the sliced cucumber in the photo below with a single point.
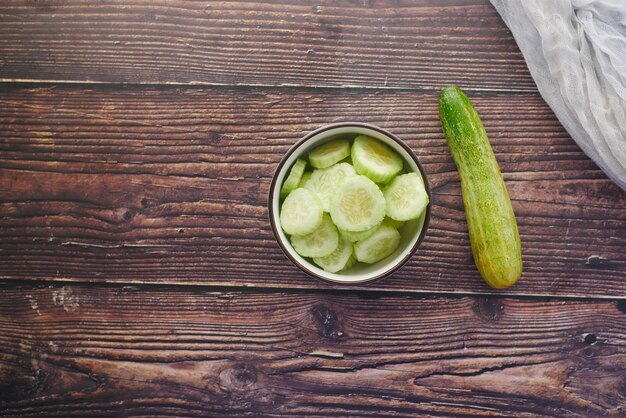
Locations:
(324, 181)
(338, 259)
(330, 153)
(301, 212)
(294, 177)
(357, 205)
(375, 160)
(406, 197)
(350, 261)
(305, 177)
(380, 245)
(357, 236)
(319, 243)
(393, 223)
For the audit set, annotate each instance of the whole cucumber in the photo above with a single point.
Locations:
(491, 222)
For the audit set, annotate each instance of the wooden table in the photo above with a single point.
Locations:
(139, 272)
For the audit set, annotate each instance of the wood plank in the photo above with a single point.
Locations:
(170, 185)
(414, 44)
(73, 349)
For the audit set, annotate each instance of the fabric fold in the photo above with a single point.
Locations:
(576, 53)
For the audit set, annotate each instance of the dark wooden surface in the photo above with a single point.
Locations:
(140, 276)
(74, 349)
(170, 185)
(365, 43)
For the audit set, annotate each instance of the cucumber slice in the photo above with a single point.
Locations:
(324, 181)
(294, 177)
(301, 212)
(330, 153)
(319, 243)
(305, 177)
(375, 160)
(381, 244)
(357, 236)
(393, 223)
(338, 259)
(350, 261)
(357, 205)
(406, 197)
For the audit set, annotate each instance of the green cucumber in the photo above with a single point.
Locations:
(406, 197)
(374, 159)
(305, 177)
(294, 178)
(359, 235)
(325, 181)
(330, 153)
(493, 232)
(357, 205)
(319, 243)
(301, 212)
(393, 223)
(381, 244)
(338, 260)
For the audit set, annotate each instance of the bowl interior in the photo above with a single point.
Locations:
(360, 272)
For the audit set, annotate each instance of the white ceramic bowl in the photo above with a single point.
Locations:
(412, 232)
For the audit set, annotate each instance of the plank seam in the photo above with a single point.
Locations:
(247, 86)
(362, 293)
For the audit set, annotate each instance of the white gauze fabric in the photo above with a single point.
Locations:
(576, 52)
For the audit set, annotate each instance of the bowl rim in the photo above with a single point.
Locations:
(301, 142)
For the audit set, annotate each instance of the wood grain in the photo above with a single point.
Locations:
(107, 351)
(408, 44)
(170, 186)
(153, 166)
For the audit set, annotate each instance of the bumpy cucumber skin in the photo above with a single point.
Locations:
(493, 232)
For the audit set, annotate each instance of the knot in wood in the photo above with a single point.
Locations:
(595, 261)
(128, 215)
(214, 138)
(327, 322)
(589, 352)
(242, 375)
(488, 308)
(590, 339)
